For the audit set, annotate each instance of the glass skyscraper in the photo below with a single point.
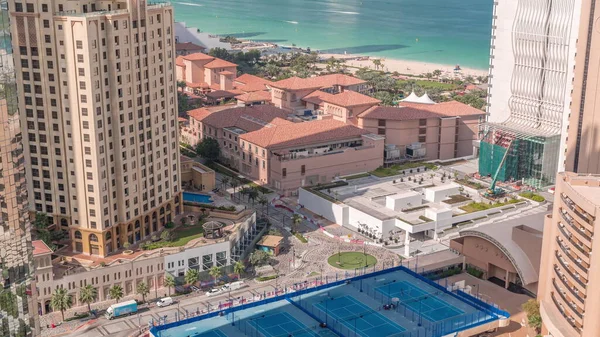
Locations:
(17, 314)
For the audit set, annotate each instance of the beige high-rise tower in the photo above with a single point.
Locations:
(98, 100)
(582, 152)
(569, 285)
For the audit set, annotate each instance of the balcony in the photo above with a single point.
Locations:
(567, 283)
(574, 243)
(571, 291)
(575, 209)
(579, 229)
(565, 266)
(570, 303)
(562, 311)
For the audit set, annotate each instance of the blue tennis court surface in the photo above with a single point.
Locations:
(212, 333)
(281, 324)
(357, 316)
(430, 307)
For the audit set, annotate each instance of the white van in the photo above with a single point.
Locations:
(163, 302)
(233, 286)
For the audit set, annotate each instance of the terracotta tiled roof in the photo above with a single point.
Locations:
(203, 85)
(238, 116)
(197, 57)
(325, 81)
(249, 83)
(179, 61)
(216, 94)
(396, 113)
(255, 96)
(218, 63)
(181, 119)
(350, 98)
(317, 97)
(188, 46)
(447, 109)
(226, 72)
(298, 134)
(40, 247)
(198, 114)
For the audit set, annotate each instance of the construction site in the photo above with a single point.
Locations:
(518, 159)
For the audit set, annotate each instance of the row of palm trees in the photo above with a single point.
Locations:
(251, 192)
(61, 300)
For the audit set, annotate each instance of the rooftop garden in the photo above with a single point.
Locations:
(532, 196)
(482, 206)
(455, 199)
(357, 176)
(401, 168)
(178, 237)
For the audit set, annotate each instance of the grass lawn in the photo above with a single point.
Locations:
(351, 260)
(357, 176)
(397, 169)
(186, 234)
(432, 84)
(482, 206)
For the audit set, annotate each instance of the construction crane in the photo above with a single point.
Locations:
(494, 192)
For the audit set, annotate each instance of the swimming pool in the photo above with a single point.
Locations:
(197, 197)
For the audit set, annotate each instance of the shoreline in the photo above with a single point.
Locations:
(403, 67)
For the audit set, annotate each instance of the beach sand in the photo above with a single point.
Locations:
(408, 67)
(414, 68)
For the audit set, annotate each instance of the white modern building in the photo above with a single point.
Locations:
(532, 58)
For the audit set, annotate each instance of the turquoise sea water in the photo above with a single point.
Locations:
(436, 31)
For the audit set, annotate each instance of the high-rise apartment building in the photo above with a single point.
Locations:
(98, 95)
(532, 57)
(569, 284)
(583, 145)
(17, 312)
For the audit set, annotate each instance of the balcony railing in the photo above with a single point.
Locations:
(567, 219)
(571, 205)
(569, 319)
(574, 308)
(571, 291)
(567, 270)
(573, 242)
(563, 279)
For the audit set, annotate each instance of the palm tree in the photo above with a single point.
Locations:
(239, 268)
(296, 220)
(88, 295)
(61, 300)
(224, 182)
(142, 289)
(215, 272)
(234, 183)
(116, 292)
(252, 194)
(169, 282)
(191, 276)
(377, 63)
(244, 191)
(262, 200)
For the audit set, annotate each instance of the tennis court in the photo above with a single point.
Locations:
(418, 300)
(358, 317)
(211, 333)
(281, 324)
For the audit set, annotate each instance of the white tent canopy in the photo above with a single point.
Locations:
(413, 98)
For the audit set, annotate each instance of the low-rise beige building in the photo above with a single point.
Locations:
(204, 73)
(195, 176)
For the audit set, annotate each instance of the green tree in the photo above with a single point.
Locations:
(40, 224)
(532, 309)
(221, 53)
(181, 85)
(428, 76)
(263, 201)
(385, 97)
(116, 292)
(191, 276)
(296, 220)
(252, 194)
(244, 191)
(377, 63)
(469, 79)
(437, 73)
(259, 258)
(271, 70)
(209, 149)
(471, 99)
(143, 289)
(61, 300)
(166, 235)
(239, 268)
(169, 282)
(224, 182)
(88, 295)
(215, 272)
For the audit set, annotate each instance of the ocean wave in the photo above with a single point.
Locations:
(344, 12)
(292, 22)
(189, 4)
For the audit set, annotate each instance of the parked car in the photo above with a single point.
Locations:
(163, 302)
(214, 292)
(232, 286)
(194, 288)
